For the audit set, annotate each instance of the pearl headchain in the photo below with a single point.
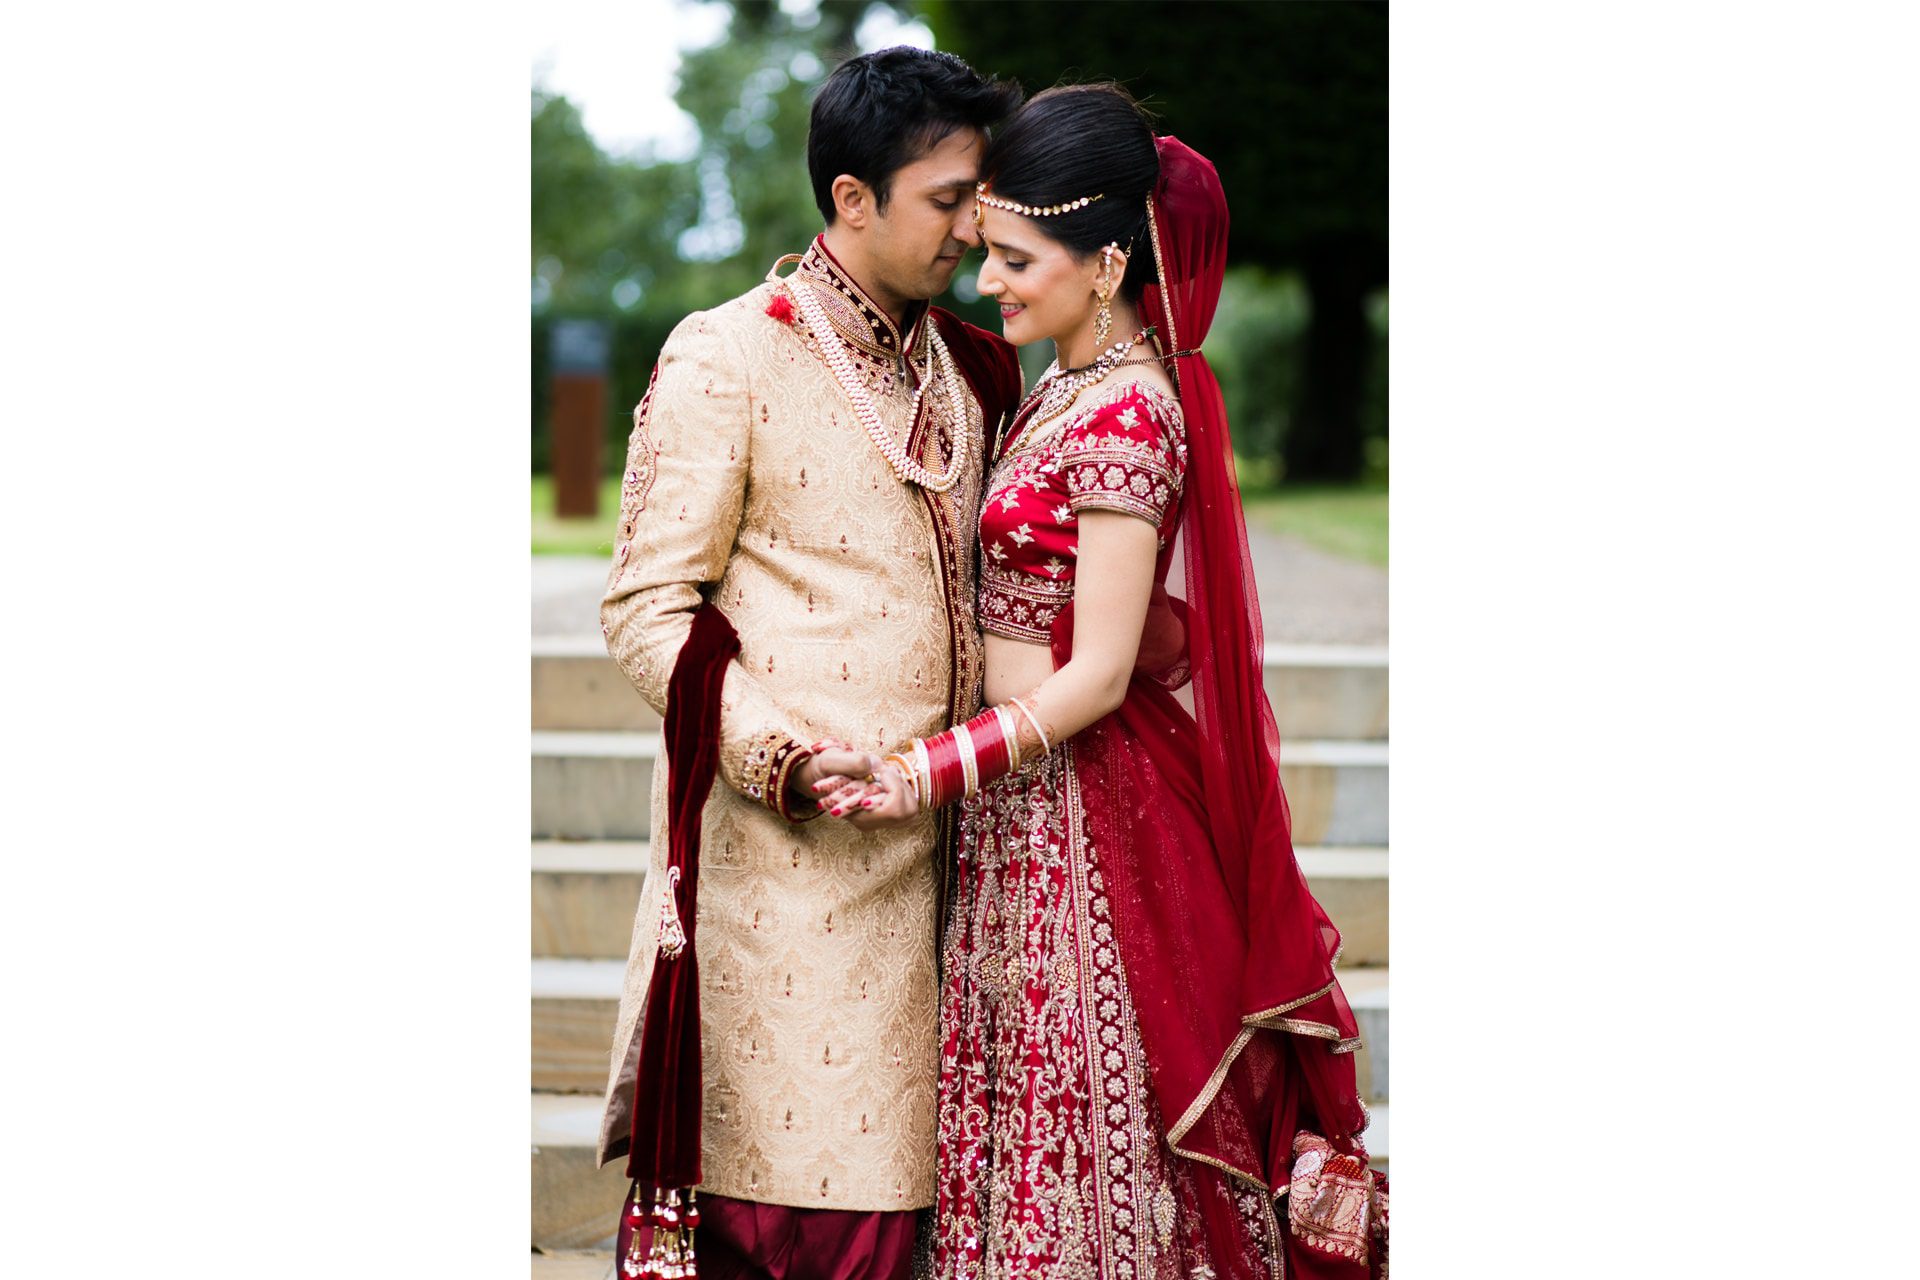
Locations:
(1027, 210)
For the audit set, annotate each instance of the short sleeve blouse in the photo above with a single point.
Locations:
(1125, 452)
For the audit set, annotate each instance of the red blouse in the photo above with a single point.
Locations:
(1124, 451)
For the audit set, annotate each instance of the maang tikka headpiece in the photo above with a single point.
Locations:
(981, 197)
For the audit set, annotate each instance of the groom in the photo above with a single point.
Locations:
(808, 461)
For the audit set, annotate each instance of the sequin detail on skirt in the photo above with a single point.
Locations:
(1052, 1161)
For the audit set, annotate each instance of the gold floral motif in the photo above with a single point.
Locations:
(1091, 469)
(1051, 1157)
(643, 462)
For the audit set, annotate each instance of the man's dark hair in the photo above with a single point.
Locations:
(880, 112)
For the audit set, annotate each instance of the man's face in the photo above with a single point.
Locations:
(928, 225)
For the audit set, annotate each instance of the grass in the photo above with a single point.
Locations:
(553, 536)
(1348, 521)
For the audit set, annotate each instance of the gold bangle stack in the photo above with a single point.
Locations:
(909, 773)
(922, 772)
(1009, 729)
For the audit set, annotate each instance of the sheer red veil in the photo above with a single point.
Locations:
(1229, 959)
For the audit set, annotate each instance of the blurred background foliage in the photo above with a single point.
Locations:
(1288, 100)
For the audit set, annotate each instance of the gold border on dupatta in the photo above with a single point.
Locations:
(1166, 295)
(1265, 1020)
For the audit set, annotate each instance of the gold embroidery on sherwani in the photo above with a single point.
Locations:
(816, 942)
(642, 462)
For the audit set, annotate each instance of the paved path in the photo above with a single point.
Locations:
(1306, 595)
(1310, 596)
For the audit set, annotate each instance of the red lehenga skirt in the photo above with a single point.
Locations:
(1053, 1160)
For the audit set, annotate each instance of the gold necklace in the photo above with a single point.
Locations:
(1056, 391)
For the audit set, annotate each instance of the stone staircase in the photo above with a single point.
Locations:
(594, 744)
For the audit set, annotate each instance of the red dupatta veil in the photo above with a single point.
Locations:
(1228, 957)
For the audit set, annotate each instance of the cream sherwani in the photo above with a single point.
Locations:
(750, 481)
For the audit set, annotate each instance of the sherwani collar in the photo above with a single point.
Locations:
(865, 328)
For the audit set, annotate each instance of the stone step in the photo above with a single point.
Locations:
(598, 786)
(577, 1207)
(1367, 992)
(577, 686)
(574, 1265)
(575, 1001)
(575, 1204)
(585, 895)
(593, 786)
(1318, 691)
(1328, 691)
(1351, 883)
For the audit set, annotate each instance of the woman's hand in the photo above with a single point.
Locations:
(883, 798)
(889, 802)
(829, 769)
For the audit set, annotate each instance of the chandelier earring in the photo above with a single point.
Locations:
(1103, 319)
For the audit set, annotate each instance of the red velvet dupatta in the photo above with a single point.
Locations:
(665, 1151)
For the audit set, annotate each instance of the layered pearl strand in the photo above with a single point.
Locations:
(894, 451)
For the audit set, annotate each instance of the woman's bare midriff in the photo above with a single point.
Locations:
(1015, 667)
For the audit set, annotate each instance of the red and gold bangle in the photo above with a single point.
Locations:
(998, 751)
(989, 742)
(966, 758)
(945, 772)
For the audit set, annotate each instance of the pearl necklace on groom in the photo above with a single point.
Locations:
(894, 451)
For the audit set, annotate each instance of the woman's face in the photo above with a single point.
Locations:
(1042, 289)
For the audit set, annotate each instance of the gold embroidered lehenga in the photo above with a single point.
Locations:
(1143, 1045)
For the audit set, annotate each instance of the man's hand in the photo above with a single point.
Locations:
(832, 768)
(852, 785)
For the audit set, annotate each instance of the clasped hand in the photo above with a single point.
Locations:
(857, 787)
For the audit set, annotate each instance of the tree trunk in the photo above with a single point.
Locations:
(1325, 440)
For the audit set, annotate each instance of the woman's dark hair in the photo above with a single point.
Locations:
(880, 112)
(1082, 140)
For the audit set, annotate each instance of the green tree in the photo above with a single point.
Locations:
(1289, 102)
(751, 95)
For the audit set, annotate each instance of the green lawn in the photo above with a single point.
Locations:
(553, 536)
(1348, 521)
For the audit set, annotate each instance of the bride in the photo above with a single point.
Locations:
(1143, 1044)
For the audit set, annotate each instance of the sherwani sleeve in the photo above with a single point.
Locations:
(682, 496)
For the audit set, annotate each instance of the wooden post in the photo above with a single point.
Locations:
(579, 415)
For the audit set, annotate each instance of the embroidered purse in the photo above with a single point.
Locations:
(1336, 1206)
